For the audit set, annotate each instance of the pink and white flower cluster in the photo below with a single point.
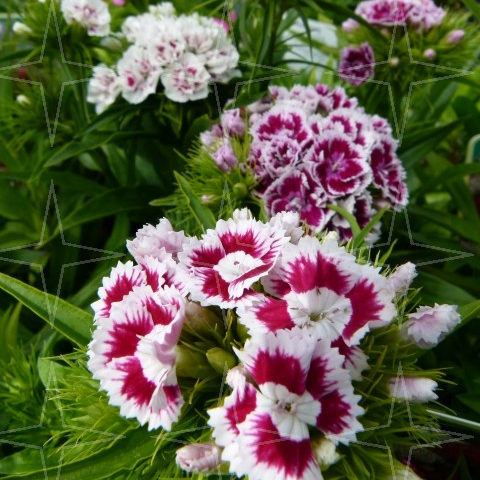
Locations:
(421, 14)
(306, 303)
(91, 14)
(184, 53)
(311, 147)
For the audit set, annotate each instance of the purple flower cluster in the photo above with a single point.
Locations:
(421, 14)
(310, 147)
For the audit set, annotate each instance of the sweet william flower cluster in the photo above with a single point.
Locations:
(310, 147)
(391, 17)
(183, 53)
(307, 304)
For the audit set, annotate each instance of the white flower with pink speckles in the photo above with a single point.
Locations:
(296, 381)
(103, 88)
(186, 80)
(91, 14)
(185, 52)
(139, 74)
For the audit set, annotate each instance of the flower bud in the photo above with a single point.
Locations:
(429, 54)
(191, 364)
(201, 319)
(350, 25)
(240, 190)
(394, 62)
(413, 389)
(429, 325)
(325, 452)
(21, 29)
(23, 100)
(207, 199)
(218, 357)
(402, 277)
(455, 36)
(198, 457)
(225, 158)
(233, 123)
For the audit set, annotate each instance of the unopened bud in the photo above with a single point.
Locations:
(455, 36)
(191, 364)
(413, 389)
(23, 100)
(21, 29)
(219, 359)
(394, 62)
(198, 457)
(325, 452)
(429, 54)
(201, 319)
(240, 190)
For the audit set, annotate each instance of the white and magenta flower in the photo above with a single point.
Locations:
(357, 65)
(186, 80)
(320, 287)
(388, 172)
(138, 73)
(156, 241)
(225, 263)
(309, 147)
(428, 326)
(103, 88)
(132, 354)
(422, 14)
(338, 165)
(298, 382)
(91, 14)
(413, 389)
(296, 191)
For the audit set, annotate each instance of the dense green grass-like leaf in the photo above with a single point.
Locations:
(202, 214)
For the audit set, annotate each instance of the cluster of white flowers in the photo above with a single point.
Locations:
(184, 52)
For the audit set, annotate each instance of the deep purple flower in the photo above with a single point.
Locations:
(357, 64)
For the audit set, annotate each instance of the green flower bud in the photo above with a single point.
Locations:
(240, 190)
(218, 358)
(192, 364)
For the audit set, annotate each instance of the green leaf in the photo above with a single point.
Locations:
(348, 217)
(469, 312)
(473, 6)
(457, 225)
(122, 456)
(110, 203)
(360, 238)
(70, 321)
(455, 171)
(203, 215)
(75, 148)
(416, 145)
